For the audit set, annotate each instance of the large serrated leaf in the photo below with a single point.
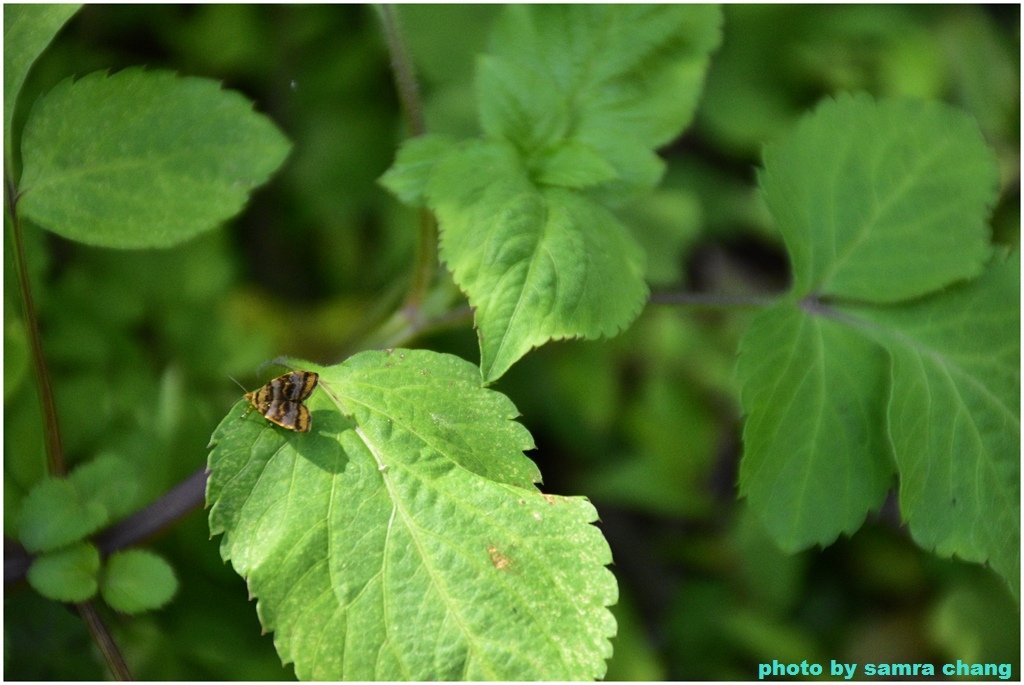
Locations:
(641, 64)
(402, 538)
(816, 456)
(571, 99)
(620, 79)
(954, 416)
(881, 201)
(142, 158)
(537, 264)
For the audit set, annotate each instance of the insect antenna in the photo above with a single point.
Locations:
(237, 383)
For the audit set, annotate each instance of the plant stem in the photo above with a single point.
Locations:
(402, 71)
(712, 299)
(425, 267)
(54, 449)
(105, 641)
(399, 335)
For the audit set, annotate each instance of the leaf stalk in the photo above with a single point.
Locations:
(713, 299)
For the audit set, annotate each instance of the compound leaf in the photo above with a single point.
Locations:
(66, 575)
(137, 580)
(28, 29)
(882, 201)
(843, 392)
(142, 158)
(402, 537)
(571, 99)
(521, 103)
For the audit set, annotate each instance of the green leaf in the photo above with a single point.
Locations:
(28, 29)
(573, 164)
(110, 481)
(143, 158)
(402, 538)
(55, 514)
(816, 457)
(621, 79)
(408, 176)
(571, 98)
(825, 411)
(67, 575)
(537, 264)
(521, 103)
(881, 201)
(954, 417)
(137, 580)
(833, 387)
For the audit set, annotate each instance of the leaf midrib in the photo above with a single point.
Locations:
(867, 228)
(410, 522)
(435, 578)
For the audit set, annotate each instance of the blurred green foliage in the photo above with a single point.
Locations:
(142, 344)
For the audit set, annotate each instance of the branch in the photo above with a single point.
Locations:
(181, 500)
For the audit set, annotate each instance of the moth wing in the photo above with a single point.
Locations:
(280, 400)
(285, 414)
(294, 386)
(308, 384)
(303, 420)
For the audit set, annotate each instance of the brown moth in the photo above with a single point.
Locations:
(280, 400)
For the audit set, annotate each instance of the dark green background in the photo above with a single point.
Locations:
(141, 344)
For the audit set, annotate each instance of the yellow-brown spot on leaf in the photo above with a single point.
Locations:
(500, 561)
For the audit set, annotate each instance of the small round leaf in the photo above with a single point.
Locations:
(67, 575)
(137, 580)
(111, 481)
(56, 514)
